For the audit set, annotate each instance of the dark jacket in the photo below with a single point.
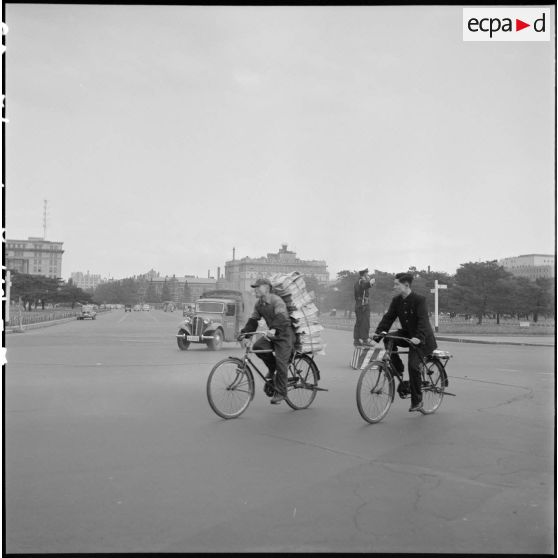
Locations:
(362, 297)
(413, 316)
(274, 312)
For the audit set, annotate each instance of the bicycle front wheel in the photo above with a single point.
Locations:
(301, 381)
(230, 388)
(375, 390)
(433, 385)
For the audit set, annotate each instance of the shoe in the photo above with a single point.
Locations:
(415, 407)
(277, 398)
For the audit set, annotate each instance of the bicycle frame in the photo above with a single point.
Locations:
(252, 366)
(389, 350)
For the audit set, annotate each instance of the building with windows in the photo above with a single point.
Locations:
(532, 266)
(240, 274)
(35, 256)
(86, 281)
(178, 289)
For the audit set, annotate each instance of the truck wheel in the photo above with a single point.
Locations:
(217, 342)
(182, 343)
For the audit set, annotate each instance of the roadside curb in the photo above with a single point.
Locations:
(17, 329)
(482, 341)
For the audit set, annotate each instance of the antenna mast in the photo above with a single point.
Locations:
(44, 219)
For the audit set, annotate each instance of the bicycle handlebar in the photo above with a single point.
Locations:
(390, 336)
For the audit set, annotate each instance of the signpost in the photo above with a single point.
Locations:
(435, 291)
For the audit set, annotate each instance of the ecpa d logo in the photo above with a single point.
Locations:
(506, 24)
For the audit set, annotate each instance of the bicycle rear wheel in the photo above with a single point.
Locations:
(301, 380)
(375, 390)
(433, 385)
(230, 388)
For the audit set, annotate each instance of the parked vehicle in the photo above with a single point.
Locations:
(87, 313)
(218, 316)
(146, 308)
(127, 308)
(137, 307)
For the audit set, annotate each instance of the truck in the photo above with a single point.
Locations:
(218, 316)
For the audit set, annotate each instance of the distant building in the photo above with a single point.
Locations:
(35, 256)
(240, 274)
(532, 266)
(86, 281)
(176, 287)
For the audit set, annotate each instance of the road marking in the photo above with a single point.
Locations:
(122, 318)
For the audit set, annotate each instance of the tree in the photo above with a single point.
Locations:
(165, 294)
(187, 293)
(150, 294)
(476, 287)
(345, 290)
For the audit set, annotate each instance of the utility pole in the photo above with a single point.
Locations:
(437, 286)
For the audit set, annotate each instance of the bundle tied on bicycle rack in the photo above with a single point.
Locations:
(303, 312)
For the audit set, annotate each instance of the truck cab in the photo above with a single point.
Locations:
(218, 316)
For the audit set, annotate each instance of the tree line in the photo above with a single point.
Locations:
(38, 290)
(478, 289)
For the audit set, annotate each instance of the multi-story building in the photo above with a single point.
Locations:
(35, 256)
(86, 281)
(179, 289)
(532, 266)
(240, 274)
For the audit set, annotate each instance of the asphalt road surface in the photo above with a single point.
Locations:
(111, 446)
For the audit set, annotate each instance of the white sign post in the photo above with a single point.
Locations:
(435, 291)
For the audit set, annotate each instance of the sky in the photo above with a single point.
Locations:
(365, 136)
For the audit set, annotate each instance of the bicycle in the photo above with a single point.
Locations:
(231, 387)
(376, 386)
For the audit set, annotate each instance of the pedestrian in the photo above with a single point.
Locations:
(412, 311)
(361, 330)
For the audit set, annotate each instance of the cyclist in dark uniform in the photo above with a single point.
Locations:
(412, 312)
(274, 311)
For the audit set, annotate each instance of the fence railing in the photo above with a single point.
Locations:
(23, 317)
(455, 325)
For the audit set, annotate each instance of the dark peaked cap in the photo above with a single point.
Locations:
(261, 281)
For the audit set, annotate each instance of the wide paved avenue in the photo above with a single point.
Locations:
(111, 446)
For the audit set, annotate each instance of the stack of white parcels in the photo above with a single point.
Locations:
(291, 288)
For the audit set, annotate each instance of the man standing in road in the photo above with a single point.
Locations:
(281, 338)
(361, 330)
(412, 312)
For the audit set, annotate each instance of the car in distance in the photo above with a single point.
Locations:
(127, 308)
(137, 307)
(87, 313)
(146, 308)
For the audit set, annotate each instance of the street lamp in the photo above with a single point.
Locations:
(435, 291)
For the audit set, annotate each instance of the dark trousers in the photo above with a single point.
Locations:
(283, 345)
(362, 324)
(415, 379)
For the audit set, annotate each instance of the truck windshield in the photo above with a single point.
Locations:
(210, 307)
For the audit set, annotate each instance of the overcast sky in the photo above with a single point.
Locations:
(162, 136)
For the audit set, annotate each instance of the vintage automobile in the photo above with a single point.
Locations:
(87, 312)
(218, 316)
(127, 308)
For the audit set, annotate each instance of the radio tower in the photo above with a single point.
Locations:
(44, 219)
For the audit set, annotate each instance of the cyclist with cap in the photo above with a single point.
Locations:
(281, 338)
